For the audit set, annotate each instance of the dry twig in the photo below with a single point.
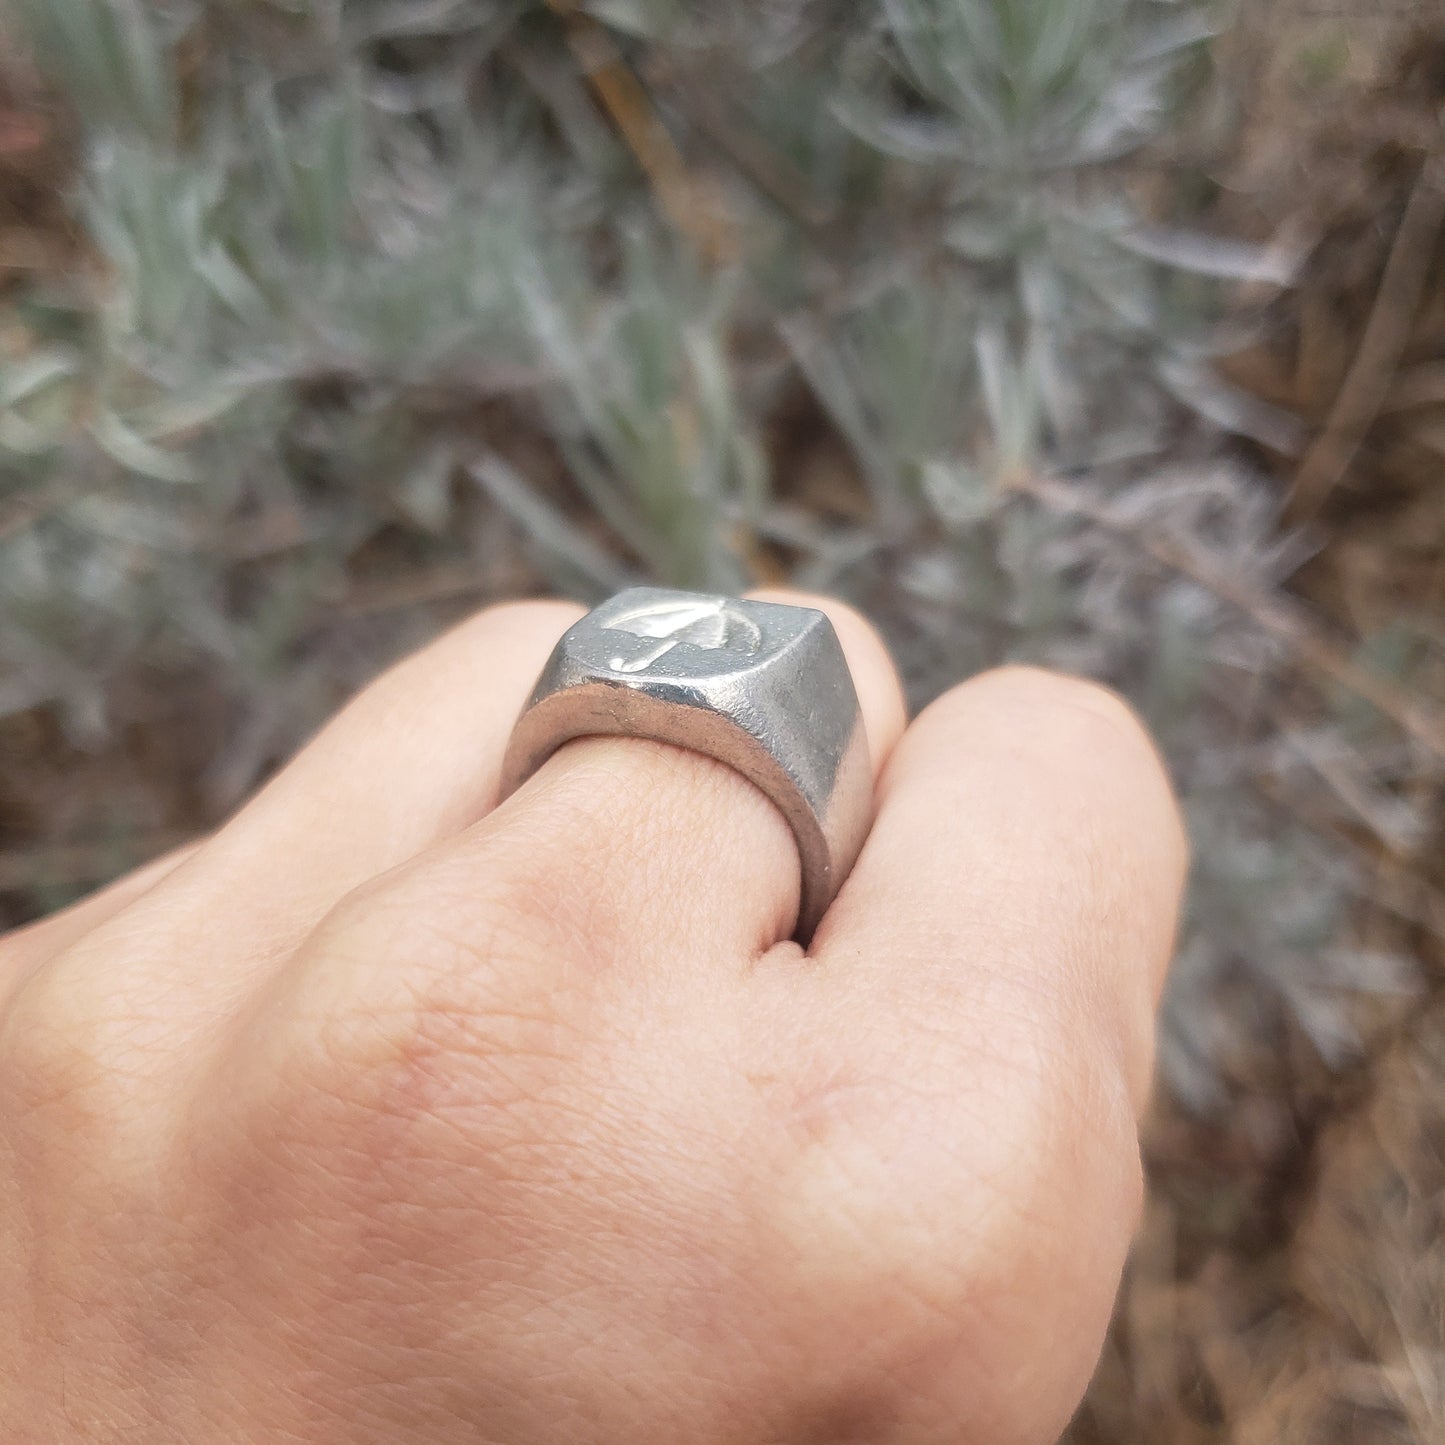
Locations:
(1371, 375)
(1275, 615)
(695, 214)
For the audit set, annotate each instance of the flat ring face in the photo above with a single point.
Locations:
(761, 687)
(675, 635)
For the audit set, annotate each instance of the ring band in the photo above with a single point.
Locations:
(761, 687)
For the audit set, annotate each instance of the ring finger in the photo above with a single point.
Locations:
(640, 851)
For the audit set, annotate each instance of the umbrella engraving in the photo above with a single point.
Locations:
(711, 623)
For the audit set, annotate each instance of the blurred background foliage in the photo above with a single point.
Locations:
(1105, 334)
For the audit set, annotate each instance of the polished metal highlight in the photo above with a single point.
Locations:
(761, 687)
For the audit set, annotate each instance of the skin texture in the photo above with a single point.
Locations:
(385, 1114)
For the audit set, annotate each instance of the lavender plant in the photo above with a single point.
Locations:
(364, 262)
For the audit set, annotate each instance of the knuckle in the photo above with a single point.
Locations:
(68, 1076)
(45, 1059)
(440, 1008)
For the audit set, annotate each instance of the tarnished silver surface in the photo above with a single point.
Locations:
(761, 687)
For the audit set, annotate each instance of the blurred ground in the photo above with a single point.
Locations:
(1288, 1284)
(1289, 1279)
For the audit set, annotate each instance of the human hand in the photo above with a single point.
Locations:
(384, 1114)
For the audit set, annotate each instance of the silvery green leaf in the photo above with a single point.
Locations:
(396, 19)
(133, 452)
(110, 58)
(960, 494)
(1371, 971)
(218, 268)
(1228, 407)
(35, 373)
(423, 491)
(546, 524)
(646, 19)
(829, 379)
(1324, 1016)
(1011, 396)
(1191, 28)
(178, 413)
(24, 438)
(1122, 289)
(117, 519)
(983, 236)
(1210, 255)
(921, 140)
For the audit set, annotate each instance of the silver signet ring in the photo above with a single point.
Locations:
(761, 687)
